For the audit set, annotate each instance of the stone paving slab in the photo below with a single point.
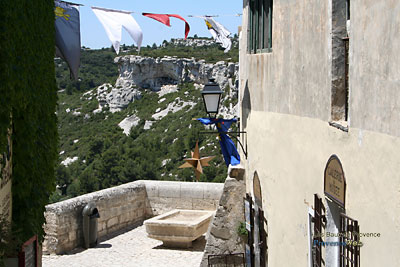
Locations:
(129, 248)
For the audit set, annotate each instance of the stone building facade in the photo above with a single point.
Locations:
(317, 79)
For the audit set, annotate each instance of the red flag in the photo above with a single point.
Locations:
(164, 18)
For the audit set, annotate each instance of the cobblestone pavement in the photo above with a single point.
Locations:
(129, 248)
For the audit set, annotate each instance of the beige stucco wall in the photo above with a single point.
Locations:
(285, 100)
(290, 153)
(295, 77)
(375, 65)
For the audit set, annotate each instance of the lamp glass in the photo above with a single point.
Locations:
(212, 101)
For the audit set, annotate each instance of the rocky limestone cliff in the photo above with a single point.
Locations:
(153, 73)
(197, 42)
(159, 74)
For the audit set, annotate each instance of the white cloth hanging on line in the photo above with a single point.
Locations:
(218, 32)
(114, 20)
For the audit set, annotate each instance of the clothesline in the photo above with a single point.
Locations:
(133, 12)
(75, 4)
(113, 10)
(67, 25)
(222, 15)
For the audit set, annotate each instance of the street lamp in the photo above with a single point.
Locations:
(211, 96)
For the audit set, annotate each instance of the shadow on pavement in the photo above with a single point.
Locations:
(105, 238)
(198, 245)
(103, 246)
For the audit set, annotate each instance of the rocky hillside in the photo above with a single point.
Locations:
(137, 124)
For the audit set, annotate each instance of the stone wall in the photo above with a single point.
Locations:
(222, 236)
(118, 207)
(165, 196)
(123, 206)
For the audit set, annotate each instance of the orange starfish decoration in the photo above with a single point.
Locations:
(196, 162)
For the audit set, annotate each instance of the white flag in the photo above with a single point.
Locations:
(114, 20)
(219, 33)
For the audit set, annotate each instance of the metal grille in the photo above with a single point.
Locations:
(350, 234)
(319, 223)
(226, 260)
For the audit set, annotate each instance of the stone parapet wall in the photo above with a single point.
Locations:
(123, 206)
(163, 196)
(119, 207)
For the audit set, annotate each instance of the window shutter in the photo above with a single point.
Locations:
(349, 253)
(263, 239)
(250, 27)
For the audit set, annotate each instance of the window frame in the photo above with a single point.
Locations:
(257, 17)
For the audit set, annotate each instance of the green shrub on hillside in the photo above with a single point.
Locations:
(106, 156)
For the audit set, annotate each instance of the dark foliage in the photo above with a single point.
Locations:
(28, 94)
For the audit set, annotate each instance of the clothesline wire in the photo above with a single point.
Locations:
(209, 16)
(70, 3)
(130, 12)
(114, 10)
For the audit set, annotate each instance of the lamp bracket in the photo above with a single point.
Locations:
(234, 135)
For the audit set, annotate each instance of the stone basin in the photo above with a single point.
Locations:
(178, 228)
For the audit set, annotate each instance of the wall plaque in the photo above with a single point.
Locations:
(257, 190)
(334, 181)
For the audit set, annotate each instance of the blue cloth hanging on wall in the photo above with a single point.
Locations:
(228, 148)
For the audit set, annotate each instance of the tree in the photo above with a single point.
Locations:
(74, 189)
(69, 89)
(63, 178)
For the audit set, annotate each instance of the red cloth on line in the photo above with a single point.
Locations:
(164, 18)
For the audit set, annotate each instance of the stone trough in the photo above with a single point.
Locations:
(178, 228)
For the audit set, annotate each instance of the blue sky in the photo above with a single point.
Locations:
(94, 36)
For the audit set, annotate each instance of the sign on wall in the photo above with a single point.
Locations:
(334, 181)
(5, 181)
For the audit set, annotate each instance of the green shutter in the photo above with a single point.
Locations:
(260, 26)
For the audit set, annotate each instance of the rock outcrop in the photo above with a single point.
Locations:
(153, 73)
(162, 75)
(116, 98)
(197, 42)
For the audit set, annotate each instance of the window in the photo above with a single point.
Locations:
(340, 63)
(260, 26)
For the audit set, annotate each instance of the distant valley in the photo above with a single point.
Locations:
(130, 117)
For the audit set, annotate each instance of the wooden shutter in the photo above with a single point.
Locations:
(349, 253)
(250, 234)
(319, 223)
(250, 27)
(263, 239)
